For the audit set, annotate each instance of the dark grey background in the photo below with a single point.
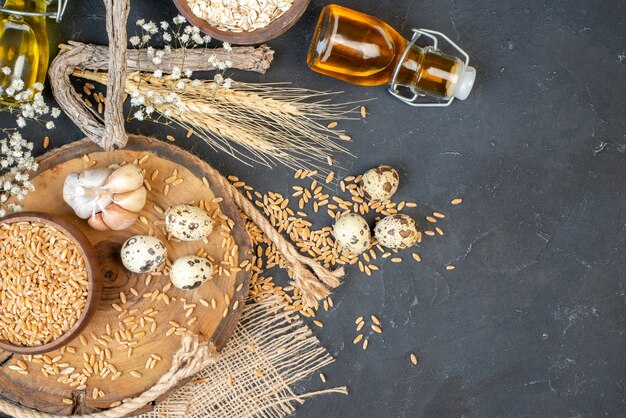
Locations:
(531, 322)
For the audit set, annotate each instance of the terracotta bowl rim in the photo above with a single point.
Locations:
(274, 29)
(92, 265)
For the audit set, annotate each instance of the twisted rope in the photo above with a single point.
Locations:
(309, 276)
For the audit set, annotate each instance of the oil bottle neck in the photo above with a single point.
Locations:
(36, 6)
(427, 71)
(409, 66)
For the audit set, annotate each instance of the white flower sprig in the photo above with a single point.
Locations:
(15, 162)
(16, 159)
(175, 35)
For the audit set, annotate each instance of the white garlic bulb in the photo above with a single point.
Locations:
(110, 198)
(82, 192)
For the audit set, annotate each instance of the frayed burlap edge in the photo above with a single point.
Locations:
(268, 353)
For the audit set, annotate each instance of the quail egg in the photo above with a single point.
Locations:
(190, 272)
(397, 231)
(188, 223)
(353, 233)
(380, 183)
(143, 253)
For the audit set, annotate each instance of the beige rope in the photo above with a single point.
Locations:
(310, 277)
(190, 359)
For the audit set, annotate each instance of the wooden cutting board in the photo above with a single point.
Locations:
(228, 289)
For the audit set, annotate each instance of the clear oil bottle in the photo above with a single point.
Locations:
(23, 45)
(364, 50)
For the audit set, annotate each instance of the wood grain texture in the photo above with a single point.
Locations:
(114, 130)
(46, 394)
(246, 58)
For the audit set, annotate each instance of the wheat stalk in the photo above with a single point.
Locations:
(262, 123)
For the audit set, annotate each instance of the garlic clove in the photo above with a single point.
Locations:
(125, 179)
(118, 218)
(97, 223)
(133, 201)
(84, 200)
(94, 178)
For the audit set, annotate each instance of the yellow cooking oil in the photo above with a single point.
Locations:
(23, 47)
(361, 49)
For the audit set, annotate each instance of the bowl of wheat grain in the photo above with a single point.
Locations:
(50, 282)
(242, 22)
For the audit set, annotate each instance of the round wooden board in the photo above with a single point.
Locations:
(37, 391)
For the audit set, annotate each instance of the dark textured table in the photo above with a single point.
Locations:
(531, 322)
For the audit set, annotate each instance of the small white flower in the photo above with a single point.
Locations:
(141, 22)
(146, 38)
(56, 112)
(197, 39)
(150, 27)
(179, 19)
(50, 125)
(157, 60)
(184, 38)
(150, 51)
(227, 47)
(149, 110)
(38, 86)
(228, 83)
(219, 79)
(6, 70)
(188, 73)
(167, 37)
(180, 85)
(206, 39)
(134, 41)
(21, 122)
(139, 115)
(158, 73)
(176, 73)
(17, 84)
(165, 25)
(188, 29)
(196, 83)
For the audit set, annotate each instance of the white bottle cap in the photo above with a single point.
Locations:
(464, 87)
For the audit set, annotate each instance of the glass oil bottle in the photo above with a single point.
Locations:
(23, 45)
(364, 50)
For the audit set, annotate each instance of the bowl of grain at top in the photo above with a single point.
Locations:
(50, 282)
(242, 22)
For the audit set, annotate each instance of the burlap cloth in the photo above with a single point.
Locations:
(268, 352)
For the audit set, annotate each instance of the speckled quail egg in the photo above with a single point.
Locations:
(190, 272)
(143, 253)
(188, 223)
(353, 233)
(380, 183)
(397, 231)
